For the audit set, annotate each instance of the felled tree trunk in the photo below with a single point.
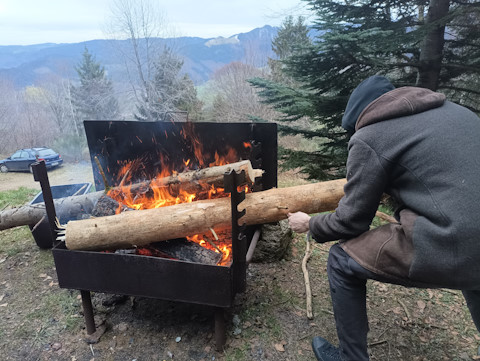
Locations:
(147, 226)
(33, 213)
(83, 204)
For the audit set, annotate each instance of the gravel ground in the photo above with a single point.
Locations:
(68, 173)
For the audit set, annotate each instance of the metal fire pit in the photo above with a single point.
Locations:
(162, 278)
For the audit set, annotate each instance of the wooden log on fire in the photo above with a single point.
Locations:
(192, 180)
(147, 226)
(185, 250)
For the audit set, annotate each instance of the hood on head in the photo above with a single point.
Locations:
(365, 93)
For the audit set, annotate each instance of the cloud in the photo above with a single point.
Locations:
(59, 21)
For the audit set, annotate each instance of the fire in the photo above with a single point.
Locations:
(224, 249)
(155, 193)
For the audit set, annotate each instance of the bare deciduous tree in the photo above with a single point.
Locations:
(236, 100)
(33, 121)
(7, 114)
(56, 92)
(140, 23)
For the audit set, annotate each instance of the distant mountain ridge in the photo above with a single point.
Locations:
(25, 65)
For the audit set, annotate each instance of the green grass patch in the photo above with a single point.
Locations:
(237, 354)
(54, 311)
(263, 314)
(56, 303)
(19, 239)
(17, 197)
(16, 240)
(44, 261)
(450, 297)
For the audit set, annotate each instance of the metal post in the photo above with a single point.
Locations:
(39, 170)
(220, 330)
(239, 241)
(88, 312)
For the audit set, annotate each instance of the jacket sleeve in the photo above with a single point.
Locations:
(366, 182)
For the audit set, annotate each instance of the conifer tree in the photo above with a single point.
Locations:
(292, 38)
(94, 97)
(423, 43)
(169, 92)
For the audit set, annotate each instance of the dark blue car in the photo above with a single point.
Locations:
(23, 159)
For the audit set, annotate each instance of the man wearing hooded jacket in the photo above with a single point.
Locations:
(424, 151)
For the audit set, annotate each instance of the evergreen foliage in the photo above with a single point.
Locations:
(292, 38)
(169, 92)
(93, 98)
(403, 40)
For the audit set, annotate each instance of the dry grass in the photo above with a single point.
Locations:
(291, 178)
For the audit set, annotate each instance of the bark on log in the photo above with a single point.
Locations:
(191, 181)
(147, 226)
(32, 214)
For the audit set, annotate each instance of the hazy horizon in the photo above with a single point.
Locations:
(29, 22)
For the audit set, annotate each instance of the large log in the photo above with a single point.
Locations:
(33, 213)
(147, 226)
(190, 181)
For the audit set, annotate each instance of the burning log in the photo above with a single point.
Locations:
(84, 204)
(107, 206)
(185, 250)
(192, 181)
(152, 225)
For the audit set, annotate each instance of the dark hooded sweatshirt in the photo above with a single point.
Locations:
(425, 152)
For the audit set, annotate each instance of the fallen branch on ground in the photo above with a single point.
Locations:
(308, 291)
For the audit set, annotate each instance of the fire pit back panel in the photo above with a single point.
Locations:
(153, 144)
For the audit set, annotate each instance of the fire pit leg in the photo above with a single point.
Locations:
(220, 330)
(88, 312)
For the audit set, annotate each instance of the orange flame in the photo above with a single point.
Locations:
(162, 196)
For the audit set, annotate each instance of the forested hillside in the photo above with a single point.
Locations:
(27, 65)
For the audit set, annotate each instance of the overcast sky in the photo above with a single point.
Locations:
(25, 22)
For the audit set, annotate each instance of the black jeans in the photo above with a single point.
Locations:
(348, 291)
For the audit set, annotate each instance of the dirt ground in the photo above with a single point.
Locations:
(40, 321)
(66, 174)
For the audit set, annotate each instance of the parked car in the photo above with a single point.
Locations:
(23, 159)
